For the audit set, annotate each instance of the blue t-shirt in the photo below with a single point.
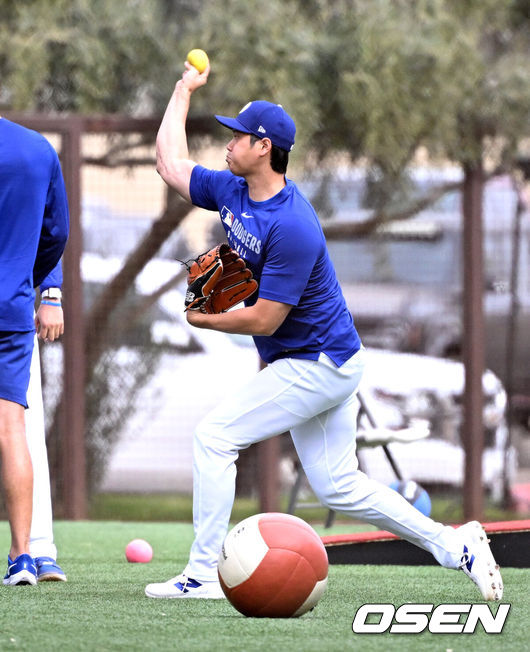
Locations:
(283, 244)
(33, 220)
(54, 279)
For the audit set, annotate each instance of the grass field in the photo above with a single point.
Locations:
(178, 507)
(103, 607)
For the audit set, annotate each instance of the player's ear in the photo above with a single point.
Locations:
(266, 145)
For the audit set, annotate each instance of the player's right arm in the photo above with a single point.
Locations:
(49, 319)
(172, 157)
(55, 224)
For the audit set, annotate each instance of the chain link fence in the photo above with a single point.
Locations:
(146, 384)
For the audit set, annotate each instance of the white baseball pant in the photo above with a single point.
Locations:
(41, 536)
(315, 401)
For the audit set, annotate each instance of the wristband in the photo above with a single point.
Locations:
(54, 294)
(57, 304)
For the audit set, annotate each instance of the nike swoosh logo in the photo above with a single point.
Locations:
(247, 215)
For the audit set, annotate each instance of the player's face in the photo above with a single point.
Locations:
(241, 155)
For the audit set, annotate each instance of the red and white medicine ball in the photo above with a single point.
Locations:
(273, 566)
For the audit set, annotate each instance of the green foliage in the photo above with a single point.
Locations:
(494, 79)
(406, 68)
(257, 51)
(372, 78)
(80, 55)
(376, 78)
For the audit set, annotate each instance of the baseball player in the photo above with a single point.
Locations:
(33, 234)
(49, 322)
(304, 331)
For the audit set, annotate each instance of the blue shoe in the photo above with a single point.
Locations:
(20, 571)
(48, 570)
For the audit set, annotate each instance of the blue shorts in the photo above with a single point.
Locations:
(15, 362)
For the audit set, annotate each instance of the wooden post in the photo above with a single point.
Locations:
(268, 475)
(73, 399)
(473, 342)
(268, 453)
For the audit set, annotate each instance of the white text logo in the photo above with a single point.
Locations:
(417, 618)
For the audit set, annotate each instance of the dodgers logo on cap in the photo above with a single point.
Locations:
(264, 120)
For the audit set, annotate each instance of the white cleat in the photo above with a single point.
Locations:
(182, 586)
(478, 563)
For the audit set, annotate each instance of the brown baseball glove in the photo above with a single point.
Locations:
(218, 280)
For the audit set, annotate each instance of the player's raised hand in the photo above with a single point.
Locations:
(192, 78)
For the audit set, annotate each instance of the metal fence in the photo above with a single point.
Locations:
(117, 375)
(99, 382)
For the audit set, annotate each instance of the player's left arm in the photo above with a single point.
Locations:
(263, 318)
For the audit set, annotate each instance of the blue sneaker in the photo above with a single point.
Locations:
(20, 571)
(48, 570)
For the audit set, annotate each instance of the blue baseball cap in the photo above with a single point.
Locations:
(264, 120)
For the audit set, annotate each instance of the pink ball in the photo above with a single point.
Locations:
(138, 551)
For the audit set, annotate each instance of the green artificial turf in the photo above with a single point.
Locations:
(178, 507)
(102, 606)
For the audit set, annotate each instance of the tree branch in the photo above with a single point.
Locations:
(98, 321)
(338, 230)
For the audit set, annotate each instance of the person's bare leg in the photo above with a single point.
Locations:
(17, 475)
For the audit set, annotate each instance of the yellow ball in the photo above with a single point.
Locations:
(198, 59)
